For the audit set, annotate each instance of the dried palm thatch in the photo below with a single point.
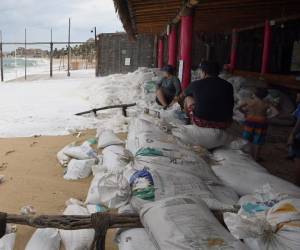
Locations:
(124, 11)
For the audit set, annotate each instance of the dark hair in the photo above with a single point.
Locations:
(169, 69)
(261, 93)
(210, 68)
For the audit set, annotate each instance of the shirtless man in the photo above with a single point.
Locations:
(256, 123)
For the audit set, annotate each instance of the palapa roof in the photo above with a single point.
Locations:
(152, 16)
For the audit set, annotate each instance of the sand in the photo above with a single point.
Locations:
(34, 177)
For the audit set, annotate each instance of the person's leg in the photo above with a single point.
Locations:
(161, 97)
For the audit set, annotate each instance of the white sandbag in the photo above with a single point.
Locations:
(173, 115)
(95, 208)
(7, 242)
(135, 239)
(62, 158)
(277, 229)
(246, 181)
(115, 158)
(83, 152)
(151, 140)
(224, 194)
(79, 169)
(107, 138)
(236, 159)
(46, 239)
(194, 166)
(77, 239)
(185, 222)
(109, 189)
(126, 209)
(209, 138)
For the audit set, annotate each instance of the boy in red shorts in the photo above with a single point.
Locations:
(256, 123)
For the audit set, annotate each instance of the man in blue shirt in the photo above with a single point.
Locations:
(168, 88)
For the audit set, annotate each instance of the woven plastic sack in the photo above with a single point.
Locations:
(7, 242)
(107, 138)
(46, 239)
(83, 152)
(79, 169)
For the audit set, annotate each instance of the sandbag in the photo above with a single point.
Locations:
(79, 169)
(168, 184)
(62, 158)
(109, 189)
(189, 164)
(95, 208)
(151, 140)
(224, 194)
(246, 181)
(77, 239)
(7, 242)
(226, 157)
(209, 138)
(83, 152)
(46, 239)
(276, 229)
(185, 223)
(173, 115)
(134, 239)
(107, 138)
(115, 158)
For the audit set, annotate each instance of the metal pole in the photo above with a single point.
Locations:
(69, 48)
(1, 55)
(25, 51)
(51, 56)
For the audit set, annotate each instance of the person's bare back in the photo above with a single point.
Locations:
(256, 107)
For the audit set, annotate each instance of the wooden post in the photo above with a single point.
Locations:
(267, 48)
(186, 46)
(172, 47)
(1, 58)
(51, 56)
(25, 63)
(160, 61)
(69, 47)
(233, 53)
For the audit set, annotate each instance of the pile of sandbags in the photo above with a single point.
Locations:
(78, 160)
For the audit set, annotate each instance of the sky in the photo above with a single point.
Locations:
(39, 16)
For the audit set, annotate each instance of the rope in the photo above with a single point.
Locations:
(101, 223)
(3, 217)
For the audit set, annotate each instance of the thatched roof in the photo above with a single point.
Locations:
(123, 10)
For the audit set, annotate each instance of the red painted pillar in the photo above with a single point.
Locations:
(186, 47)
(172, 60)
(267, 48)
(233, 53)
(160, 58)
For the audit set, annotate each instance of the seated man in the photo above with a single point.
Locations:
(209, 103)
(169, 88)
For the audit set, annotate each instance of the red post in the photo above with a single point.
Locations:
(160, 58)
(186, 47)
(233, 53)
(267, 48)
(172, 47)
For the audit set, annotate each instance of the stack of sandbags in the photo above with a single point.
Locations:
(267, 221)
(78, 160)
(185, 222)
(240, 172)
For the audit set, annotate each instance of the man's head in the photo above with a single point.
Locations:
(168, 70)
(209, 69)
(261, 93)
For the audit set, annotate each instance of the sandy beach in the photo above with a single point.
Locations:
(34, 177)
